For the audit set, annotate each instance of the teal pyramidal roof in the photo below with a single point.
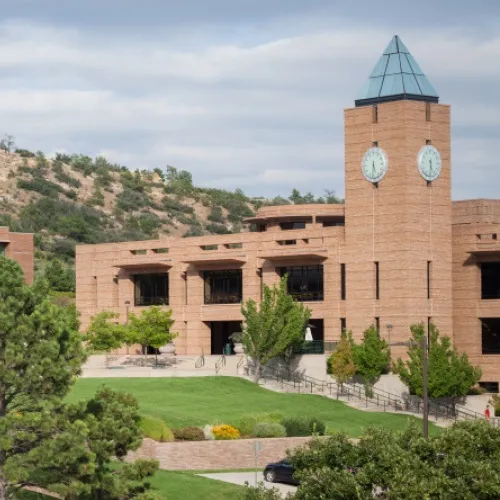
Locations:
(396, 76)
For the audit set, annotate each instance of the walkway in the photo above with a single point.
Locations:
(252, 478)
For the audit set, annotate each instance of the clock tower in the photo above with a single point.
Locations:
(398, 254)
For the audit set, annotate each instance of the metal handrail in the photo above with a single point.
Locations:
(240, 362)
(220, 363)
(379, 397)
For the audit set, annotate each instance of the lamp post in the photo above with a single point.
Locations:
(127, 304)
(389, 329)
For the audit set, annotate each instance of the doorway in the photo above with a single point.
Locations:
(220, 331)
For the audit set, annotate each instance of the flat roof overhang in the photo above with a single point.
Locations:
(216, 259)
(295, 255)
(280, 217)
(143, 264)
(485, 251)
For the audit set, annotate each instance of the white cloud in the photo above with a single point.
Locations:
(266, 115)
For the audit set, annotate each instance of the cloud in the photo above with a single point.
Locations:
(264, 112)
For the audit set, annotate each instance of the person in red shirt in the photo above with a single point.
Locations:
(487, 413)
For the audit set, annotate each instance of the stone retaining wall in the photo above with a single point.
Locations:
(215, 455)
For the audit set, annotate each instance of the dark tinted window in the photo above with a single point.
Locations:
(490, 280)
(490, 335)
(305, 283)
(293, 225)
(223, 287)
(151, 289)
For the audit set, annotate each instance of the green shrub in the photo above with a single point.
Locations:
(24, 153)
(40, 185)
(132, 200)
(269, 430)
(156, 429)
(301, 426)
(189, 434)
(246, 425)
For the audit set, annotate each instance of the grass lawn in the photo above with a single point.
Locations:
(207, 400)
(180, 486)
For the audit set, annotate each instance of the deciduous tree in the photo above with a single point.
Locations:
(372, 357)
(274, 326)
(103, 334)
(341, 362)
(449, 374)
(151, 328)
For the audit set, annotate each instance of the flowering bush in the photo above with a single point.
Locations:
(225, 432)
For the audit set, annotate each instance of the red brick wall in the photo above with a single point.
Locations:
(215, 455)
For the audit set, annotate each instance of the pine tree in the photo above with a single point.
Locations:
(274, 326)
(40, 355)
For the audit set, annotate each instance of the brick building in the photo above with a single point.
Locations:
(398, 252)
(19, 247)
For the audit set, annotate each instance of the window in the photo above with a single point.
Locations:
(151, 289)
(286, 242)
(160, 250)
(231, 246)
(377, 324)
(3, 246)
(342, 282)
(429, 279)
(490, 335)
(209, 247)
(491, 387)
(331, 221)
(286, 226)
(223, 287)
(343, 325)
(427, 111)
(375, 114)
(261, 228)
(138, 252)
(490, 280)
(377, 281)
(305, 283)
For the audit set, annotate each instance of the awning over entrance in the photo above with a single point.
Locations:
(143, 264)
(278, 217)
(216, 258)
(486, 250)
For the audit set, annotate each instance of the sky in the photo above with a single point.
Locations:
(243, 94)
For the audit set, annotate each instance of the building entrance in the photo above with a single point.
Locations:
(220, 331)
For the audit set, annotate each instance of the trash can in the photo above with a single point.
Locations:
(228, 349)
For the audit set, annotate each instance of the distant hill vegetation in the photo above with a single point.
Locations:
(72, 199)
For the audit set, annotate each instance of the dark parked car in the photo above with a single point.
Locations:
(280, 472)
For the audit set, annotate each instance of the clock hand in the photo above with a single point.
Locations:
(373, 168)
(430, 166)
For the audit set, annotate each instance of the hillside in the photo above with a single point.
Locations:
(73, 199)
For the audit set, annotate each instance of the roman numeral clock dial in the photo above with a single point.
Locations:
(429, 163)
(374, 165)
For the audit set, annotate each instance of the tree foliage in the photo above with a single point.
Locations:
(449, 374)
(372, 356)
(43, 442)
(341, 362)
(151, 328)
(40, 355)
(459, 462)
(60, 279)
(274, 326)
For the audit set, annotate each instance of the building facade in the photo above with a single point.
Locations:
(19, 247)
(397, 253)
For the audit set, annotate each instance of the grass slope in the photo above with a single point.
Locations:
(178, 486)
(205, 400)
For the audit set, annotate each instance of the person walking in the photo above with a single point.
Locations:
(487, 414)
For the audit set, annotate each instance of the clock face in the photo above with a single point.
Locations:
(374, 165)
(429, 163)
